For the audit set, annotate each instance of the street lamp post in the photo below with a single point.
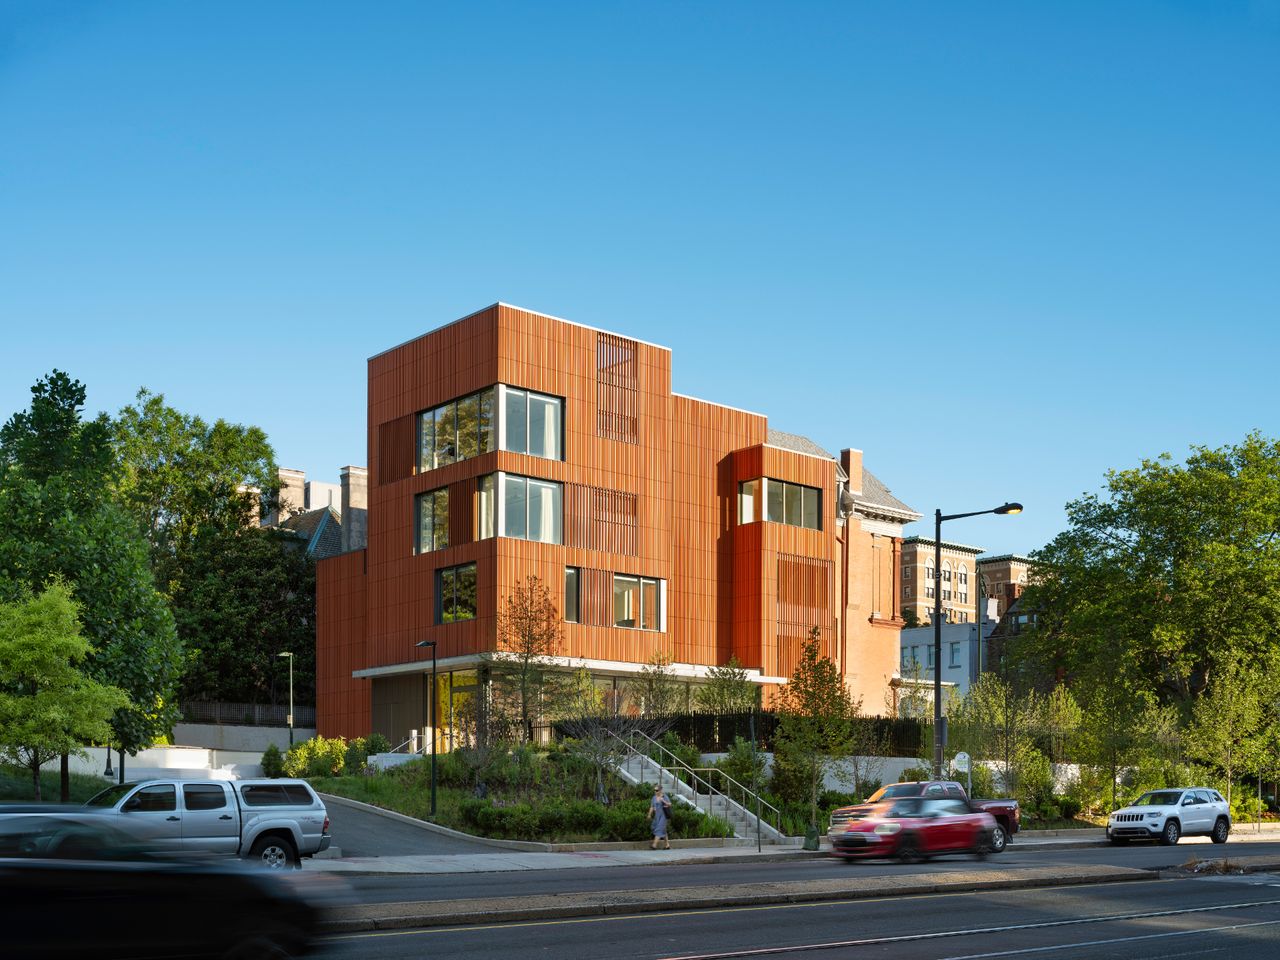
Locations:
(938, 517)
(432, 718)
(289, 654)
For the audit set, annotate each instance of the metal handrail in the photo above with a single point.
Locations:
(748, 796)
(694, 774)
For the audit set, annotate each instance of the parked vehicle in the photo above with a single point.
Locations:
(73, 886)
(915, 828)
(1168, 815)
(1006, 813)
(274, 822)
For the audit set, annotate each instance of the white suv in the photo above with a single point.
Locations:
(1166, 815)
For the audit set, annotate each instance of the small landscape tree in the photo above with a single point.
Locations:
(529, 635)
(48, 705)
(727, 690)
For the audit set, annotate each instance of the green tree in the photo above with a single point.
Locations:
(246, 595)
(48, 705)
(1229, 722)
(656, 689)
(996, 722)
(1112, 714)
(727, 690)
(1169, 575)
(57, 519)
(815, 714)
(529, 635)
(182, 476)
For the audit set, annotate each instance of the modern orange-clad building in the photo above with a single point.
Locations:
(510, 444)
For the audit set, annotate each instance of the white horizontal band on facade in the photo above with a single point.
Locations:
(680, 671)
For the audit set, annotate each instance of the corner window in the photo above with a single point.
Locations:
(637, 602)
(793, 504)
(457, 430)
(532, 423)
(572, 576)
(522, 508)
(433, 520)
(456, 593)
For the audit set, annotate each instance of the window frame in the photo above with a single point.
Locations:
(504, 391)
(793, 500)
(437, 532)
(659, 596)
(449, 576)
(451, 408)
(576, 594)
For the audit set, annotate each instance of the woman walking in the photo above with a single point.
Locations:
(659, 813)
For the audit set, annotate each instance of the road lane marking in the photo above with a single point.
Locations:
(753, 908)
(945, 934)
(1103, 943)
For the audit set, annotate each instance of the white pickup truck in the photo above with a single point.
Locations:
(274, 822)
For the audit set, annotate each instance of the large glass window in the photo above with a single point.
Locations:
(456, 593)
(530, 509)
(793, 504)
(572, 595)
(637, 602)
(457, 430)
(433, 520)
(532, 423)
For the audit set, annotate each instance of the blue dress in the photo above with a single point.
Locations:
(659, 806)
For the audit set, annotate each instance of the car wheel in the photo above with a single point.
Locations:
(273, 853)
(1171, 834)
(1221, 830)
(999, 838)
(909, 849)
(982, 845)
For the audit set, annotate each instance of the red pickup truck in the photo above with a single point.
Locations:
(1006, 813)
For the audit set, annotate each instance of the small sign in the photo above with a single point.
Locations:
(961, 762)
(289, 720)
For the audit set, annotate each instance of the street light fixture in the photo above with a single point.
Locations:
(432, 718)
(938, 517)
(289, 654)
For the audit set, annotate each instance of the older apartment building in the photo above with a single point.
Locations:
(509, 444)
(959, 580)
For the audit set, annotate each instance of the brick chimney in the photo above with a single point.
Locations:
(355, 508)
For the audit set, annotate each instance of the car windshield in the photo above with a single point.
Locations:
(906, 808)
(894, 790)
(110, 796)
(1158, 798)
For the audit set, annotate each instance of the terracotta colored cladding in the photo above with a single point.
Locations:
(650, 488)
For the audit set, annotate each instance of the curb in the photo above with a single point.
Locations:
(393, 916)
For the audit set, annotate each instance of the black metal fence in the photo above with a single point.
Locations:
(716, 732)
(246, 714)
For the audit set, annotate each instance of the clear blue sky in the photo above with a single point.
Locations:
(1000, 247)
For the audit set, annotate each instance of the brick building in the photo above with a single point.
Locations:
(510, 443)
(959, 580)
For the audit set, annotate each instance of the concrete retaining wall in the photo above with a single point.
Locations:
(221, 736)
(187, 763)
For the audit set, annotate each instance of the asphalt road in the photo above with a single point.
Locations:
(456, 886)
(1221, 918)
(358, 833)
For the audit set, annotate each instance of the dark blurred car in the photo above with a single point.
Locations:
(71, 885)
(914, 828)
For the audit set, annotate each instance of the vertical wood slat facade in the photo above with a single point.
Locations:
(650, 484)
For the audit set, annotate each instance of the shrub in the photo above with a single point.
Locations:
(1069, 806)
(356, 756)
(376, 743)
(742, 764)
(911, 774)
(272, 762)
(830, 799)
(317, 757)
(553, 819)
(626, 821)
(585, 816)
(685, 753)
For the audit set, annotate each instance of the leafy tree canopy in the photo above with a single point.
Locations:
(1167, 577)
(57, 520)
(48, 704)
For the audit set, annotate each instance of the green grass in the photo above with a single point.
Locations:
(391, 793)
(16, 786)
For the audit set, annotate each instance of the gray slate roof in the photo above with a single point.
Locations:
(321, 529)
(876, 494)
(793, 441)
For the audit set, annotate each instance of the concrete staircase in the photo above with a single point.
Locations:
(637, 768)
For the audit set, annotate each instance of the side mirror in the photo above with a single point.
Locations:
(1188, 802)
